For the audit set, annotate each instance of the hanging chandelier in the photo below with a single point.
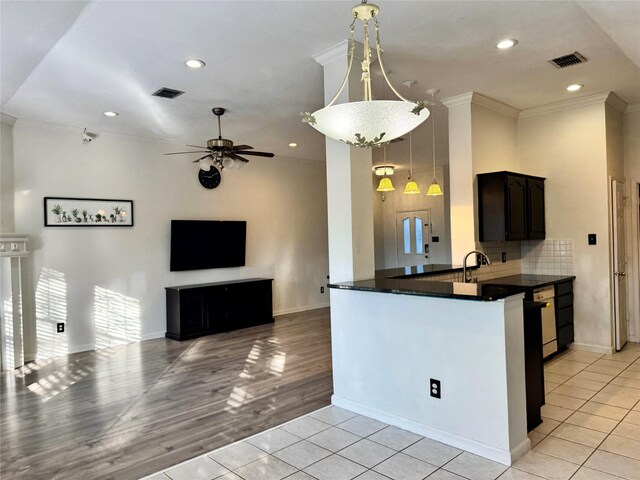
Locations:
(368, 123)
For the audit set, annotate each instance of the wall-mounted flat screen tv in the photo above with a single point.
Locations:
(202, 244)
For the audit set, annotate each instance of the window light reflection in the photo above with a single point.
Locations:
(116, 317)
(51, 308)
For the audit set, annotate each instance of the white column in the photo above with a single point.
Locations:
(349, 200)
(461, 179)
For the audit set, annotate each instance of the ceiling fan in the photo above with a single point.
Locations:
(220, 153)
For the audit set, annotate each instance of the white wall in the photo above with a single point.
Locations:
(6, 176)
(382, 363)
(494, 139)
(482, 138)
(76, 272)
(567, 146)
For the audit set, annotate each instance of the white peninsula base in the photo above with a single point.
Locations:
(386, 348)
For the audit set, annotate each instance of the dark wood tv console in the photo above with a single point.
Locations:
(204, 309)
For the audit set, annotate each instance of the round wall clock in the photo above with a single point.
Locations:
(209, 179)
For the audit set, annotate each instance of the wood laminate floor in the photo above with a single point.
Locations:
(129, 411)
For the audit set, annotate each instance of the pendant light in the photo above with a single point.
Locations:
(411, 188)
(434, 188)
(385, 184)
(369, 123)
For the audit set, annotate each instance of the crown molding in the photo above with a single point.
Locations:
(339, 51)
(482, 100)
(494, 105)
(616, 102)
(598, 98)
(463, 99)
(634, 107)
(4, 118)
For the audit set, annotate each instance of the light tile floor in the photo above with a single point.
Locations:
(590, 431)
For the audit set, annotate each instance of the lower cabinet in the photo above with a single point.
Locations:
(197, 310)
(533, 369)
(564, 313)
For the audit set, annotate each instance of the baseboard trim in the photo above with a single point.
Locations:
(284, 311)
(586, 347)
(152, 335)
(506, 457)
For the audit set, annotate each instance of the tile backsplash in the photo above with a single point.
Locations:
(494, 251)
(553, 256)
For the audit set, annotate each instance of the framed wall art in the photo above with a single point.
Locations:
(87, 212)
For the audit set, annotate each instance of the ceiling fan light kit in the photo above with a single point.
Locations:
(368, 123)
(220, 154)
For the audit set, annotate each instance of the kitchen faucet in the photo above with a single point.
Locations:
(464, 264)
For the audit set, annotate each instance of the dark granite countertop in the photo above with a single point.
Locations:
(529, 280)
(462, 291)
(418, 270)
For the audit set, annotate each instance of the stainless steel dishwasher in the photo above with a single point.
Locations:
(549, 340)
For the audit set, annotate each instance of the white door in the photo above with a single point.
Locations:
(412, 237)
(619, 264)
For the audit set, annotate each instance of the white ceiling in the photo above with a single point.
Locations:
(66, 62)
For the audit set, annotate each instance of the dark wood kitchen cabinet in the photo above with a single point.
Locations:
(564, 313)
(197, 310)
(535, 208)
(510, 206)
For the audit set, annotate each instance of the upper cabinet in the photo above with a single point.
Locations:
(510, 206)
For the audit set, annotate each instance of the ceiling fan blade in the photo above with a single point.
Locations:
(243, 147)
(235, 156)
(201, 158)
(181, 153)
(259, 154)
(196, 146)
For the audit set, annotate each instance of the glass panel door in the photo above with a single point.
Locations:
(412, 237)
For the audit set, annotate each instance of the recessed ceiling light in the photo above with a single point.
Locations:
(506, 43)
(293, 145)
(575, 87)
(111, 114)
(194, 63)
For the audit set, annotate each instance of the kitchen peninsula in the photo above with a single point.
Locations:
(391, 336)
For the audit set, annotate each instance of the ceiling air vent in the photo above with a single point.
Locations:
(165, 92)
(567, 60)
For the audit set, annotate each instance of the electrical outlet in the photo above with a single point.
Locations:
(321, 289)
(504, 257)
(434, 387)
(60, 327)
(592, 239)
(480, 259)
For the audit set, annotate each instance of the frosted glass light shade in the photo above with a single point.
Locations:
(368, 123)
(384, 170)
(385, 185)
(411, 188)
(434, 189)
(206, 164)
